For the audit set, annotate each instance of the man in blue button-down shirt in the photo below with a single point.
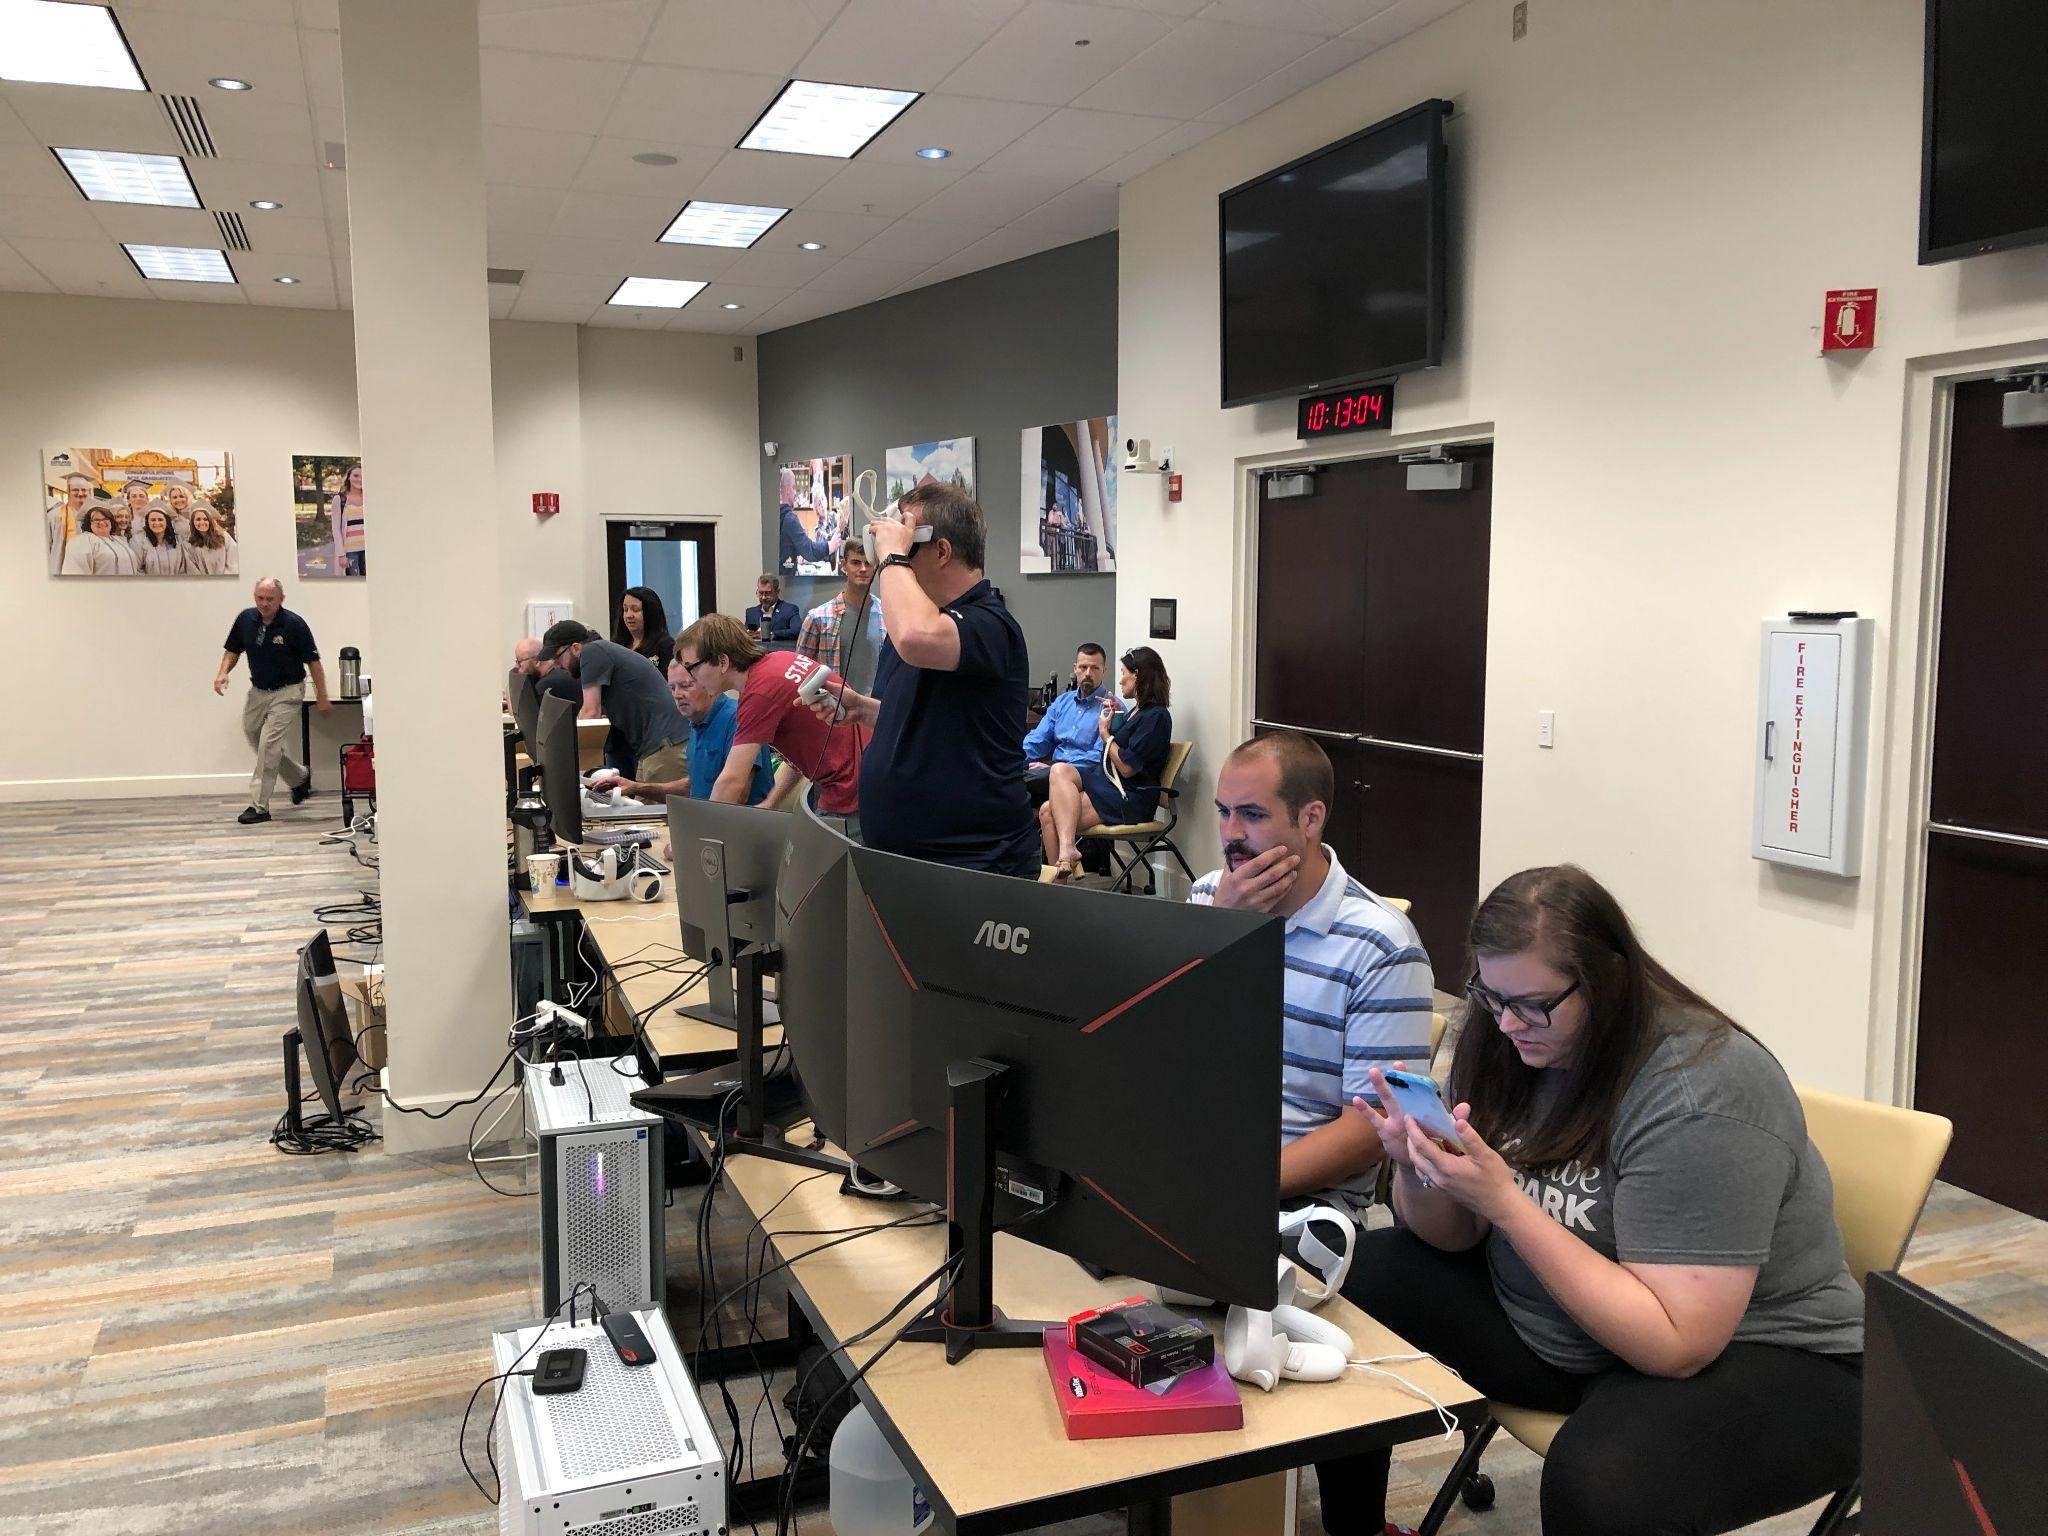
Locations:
(1070, 732)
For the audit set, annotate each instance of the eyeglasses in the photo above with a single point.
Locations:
(1534, 1012)
(690, 667)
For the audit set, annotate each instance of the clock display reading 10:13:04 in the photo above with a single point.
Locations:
(1368, 408)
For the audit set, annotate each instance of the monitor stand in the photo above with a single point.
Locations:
(721, 996)
(970, 1320)
(294, 1112)
(752, 1132)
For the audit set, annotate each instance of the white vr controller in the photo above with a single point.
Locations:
(812, 689)
(1285, 1344)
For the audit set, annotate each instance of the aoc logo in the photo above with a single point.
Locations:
(1002, 936)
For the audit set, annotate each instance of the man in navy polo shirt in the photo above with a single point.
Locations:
(939, 780)
(280, 649)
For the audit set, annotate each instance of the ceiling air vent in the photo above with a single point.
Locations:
(232, 234)
(511, 277)
(189, 123)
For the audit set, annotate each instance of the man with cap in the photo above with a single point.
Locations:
(624, 686)
(281, 651)
(548, 676)
(66, 515)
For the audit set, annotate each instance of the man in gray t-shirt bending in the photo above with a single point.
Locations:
(626, 687)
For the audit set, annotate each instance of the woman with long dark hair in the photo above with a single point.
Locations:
(157, 550)
(1632, 1228)
(1123, 786)
(643, 626)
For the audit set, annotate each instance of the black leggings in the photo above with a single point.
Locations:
(1762, 1430)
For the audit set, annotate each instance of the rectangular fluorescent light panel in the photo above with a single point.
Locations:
(116, 176)
(656, 292)
(60, 44)
(811, 118)
(180, 263)
(729, 224)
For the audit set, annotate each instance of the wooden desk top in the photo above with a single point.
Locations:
(986, 1435)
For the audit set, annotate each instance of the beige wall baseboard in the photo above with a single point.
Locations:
(416, 1133)
(137, 787)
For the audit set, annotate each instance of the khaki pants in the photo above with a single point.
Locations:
(664, 765)
(269, 716)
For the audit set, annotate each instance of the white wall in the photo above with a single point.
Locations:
(1648, 204)
(116, 673)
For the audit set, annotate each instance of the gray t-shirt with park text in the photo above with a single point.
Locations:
(1708, 1163)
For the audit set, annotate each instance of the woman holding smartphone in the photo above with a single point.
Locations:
(1632, 1228)
(1124, 785)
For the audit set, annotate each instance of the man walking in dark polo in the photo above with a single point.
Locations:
(280, 649)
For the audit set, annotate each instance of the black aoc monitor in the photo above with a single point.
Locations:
(323, 1030)
(1952, 1416)
(810, 925)
(523, 693)
(725, 859)
(1984, 136)
(554, 752)
(1111, 1062)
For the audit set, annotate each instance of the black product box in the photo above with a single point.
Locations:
(1142, 1342)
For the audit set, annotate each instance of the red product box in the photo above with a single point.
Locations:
(1095, 1405)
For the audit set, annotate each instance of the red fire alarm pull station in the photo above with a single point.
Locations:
(1173, 487)
(1850, 323)
(546, 503)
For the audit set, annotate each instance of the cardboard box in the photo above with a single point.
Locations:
(366, 993)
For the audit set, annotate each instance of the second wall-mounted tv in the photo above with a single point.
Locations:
(1984, 143)
(1333, 264)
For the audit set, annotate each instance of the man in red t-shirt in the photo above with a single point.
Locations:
(720, 655)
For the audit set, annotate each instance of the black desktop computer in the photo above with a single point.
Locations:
(1099, 1072)
(1952, 1417)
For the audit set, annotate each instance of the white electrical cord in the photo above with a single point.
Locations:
(1371, 1367)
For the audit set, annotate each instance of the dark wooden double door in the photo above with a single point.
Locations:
(1372, 639)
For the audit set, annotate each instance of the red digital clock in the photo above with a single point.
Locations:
(1368, 408)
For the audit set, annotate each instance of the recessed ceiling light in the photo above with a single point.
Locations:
(654, 157)
(812, 118)
(287, 281)
(811, 245)
(54, 44)
(656, 292)
(180, 263)
(265, 205)
(933, 153)
(730, 224)
(730, 305)
(116, 176)
(229, 83)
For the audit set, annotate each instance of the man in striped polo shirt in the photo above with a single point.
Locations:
(1358, 987)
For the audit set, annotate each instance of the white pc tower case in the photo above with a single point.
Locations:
(601, 1189)
(628, 1454)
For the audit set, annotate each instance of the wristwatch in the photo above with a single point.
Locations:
(898, 558)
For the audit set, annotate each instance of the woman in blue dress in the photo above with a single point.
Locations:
(1123, 785)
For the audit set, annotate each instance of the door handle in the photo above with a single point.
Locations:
(1306, 730)
(1986, 835)
(1770, 740)
(1416, 746)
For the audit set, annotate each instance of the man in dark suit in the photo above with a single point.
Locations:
(772, 620)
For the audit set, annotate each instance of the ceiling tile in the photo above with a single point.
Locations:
(282, 235)
(613, 216)
(759, 36)
(1164, 7)
(93, 119)
(533, 90)
(840, 233)
(993, 250)
(199, 293)
(891, 190)
(1327, 17)
(1076, 143)
(778, 269)
(12, 129)
(613, 29)
(234, 184)
(320, 15)
(766, 179)
(162, 226)
(612, 168)
(972, 128)
(1326, 60)
(1159, 151)
(17, 276)
(1087, 209)
(988, 199)
(564, 295)
(320, 56)
(866, 279)
(611, 258)
(67, 217)
(277, 13)
(315, 274)
(756, 298)
(534, 157)
(275, 132)
(799, 307)
(521, 210)
(30, 170)
(906, 45)
(712, 321)
(1034, 58)
(689, 106)
(925, 240)
(1397, 21)
(180, 53)
(558, 311)
(501, 300)
(1196, 66)
(632, 317)
(90, 267)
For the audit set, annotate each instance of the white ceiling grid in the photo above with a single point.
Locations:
(1042, 128)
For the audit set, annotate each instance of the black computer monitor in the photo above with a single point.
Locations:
(810, 927)
(726, 858)
(1102, 1071)
(523, 694)
(561, 785)
(1952, 1416)
(323, 1030)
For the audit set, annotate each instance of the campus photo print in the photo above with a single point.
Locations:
(327, 514)
(143, 512)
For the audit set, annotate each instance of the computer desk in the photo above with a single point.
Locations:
(983, 1438)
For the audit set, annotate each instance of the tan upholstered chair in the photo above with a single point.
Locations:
(1148, 837)
(1882, 1161)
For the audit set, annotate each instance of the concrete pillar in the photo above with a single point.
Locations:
(412, 98)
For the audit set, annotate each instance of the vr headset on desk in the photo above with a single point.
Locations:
(617, 873)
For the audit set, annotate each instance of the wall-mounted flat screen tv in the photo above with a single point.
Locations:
(1984, 136)
(1333, 264)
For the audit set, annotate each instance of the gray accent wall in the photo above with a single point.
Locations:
(982, 356)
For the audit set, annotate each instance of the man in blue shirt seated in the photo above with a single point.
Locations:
(1068, 733)
(773, 621)
(712, 716)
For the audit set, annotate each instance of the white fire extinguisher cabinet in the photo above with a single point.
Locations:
(1813, 709)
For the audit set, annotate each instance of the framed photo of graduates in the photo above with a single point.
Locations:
(139, 512)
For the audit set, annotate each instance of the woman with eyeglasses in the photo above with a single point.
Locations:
(1632, 1228)
(1124, 786)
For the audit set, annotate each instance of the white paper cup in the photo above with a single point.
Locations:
(541, 869)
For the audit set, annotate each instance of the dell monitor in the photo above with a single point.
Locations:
(1101, 1071)
(554, 752)
(523, 694)
(323, 1031)
(726, 858)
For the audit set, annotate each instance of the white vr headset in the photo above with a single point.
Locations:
(1290, 1343)
(617, 873)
